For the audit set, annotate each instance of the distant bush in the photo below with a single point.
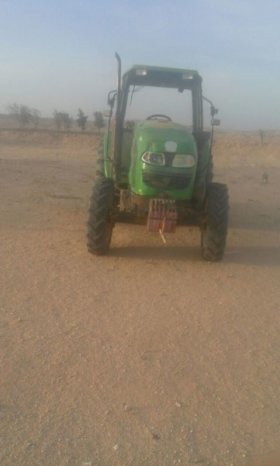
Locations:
(82, 120)
(24, 115)
(261, 134)
(98, 120)
(62, 120)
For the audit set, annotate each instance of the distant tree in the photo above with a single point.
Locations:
(35, 117)
(67, 120)
(62, 120)
(24, 115)
(261, 134)
(57, 119)
(98, 120)
(82, 120)
(13, 110)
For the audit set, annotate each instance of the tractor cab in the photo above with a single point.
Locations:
(141, 77)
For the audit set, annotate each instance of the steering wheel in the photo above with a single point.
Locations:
(159, 116)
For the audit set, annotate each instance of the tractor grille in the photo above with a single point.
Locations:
(166, 182)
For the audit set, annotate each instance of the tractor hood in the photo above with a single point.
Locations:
(163, 160)
(157, 136)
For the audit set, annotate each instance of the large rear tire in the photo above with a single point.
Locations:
(100, 161)
(214, 232)
(100, 222)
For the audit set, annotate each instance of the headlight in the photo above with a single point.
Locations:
(153, 158)
(183, 161)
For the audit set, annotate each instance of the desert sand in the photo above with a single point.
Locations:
(149, 356)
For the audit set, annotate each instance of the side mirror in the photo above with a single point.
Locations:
(213, 111)
(111, 99)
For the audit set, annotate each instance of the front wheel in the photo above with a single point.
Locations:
(214, 232)
(100, 222)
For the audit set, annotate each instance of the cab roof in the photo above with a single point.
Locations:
(158, 76)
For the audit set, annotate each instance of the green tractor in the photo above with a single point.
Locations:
(155, 171)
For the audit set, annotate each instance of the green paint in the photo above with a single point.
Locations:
(151, 136)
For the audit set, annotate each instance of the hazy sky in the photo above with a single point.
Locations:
(60, 54)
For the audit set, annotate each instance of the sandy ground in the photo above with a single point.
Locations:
(149, 356)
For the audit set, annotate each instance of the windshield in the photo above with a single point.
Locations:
(145, 101)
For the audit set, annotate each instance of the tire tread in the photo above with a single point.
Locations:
(100, 216)
(215, 234)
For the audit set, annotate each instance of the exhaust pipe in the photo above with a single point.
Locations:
(119, 62)
(117, 131)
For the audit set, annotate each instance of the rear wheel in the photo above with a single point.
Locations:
(214, 232)
(203, 180)
(100, 221)
(100, 161)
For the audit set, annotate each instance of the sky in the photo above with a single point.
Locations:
(59, 54)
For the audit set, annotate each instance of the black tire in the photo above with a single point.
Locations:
(203, 180)
(100, 168)
(100, 222)
(100, 162)
(214, 232)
